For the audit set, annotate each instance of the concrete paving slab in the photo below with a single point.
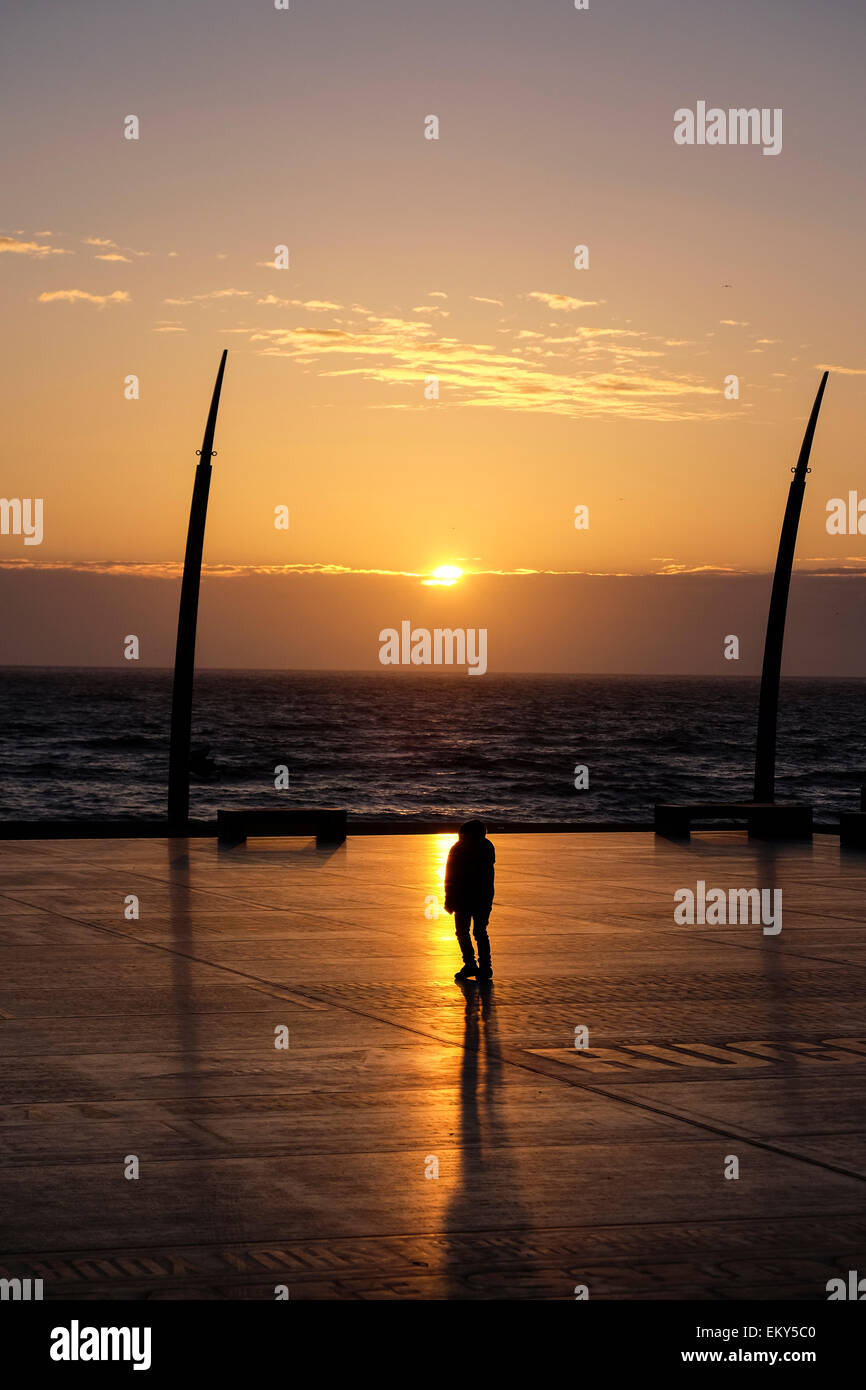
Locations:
(415, 1139)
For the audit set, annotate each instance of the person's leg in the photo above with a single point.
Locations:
(462, 921)
(482, 940)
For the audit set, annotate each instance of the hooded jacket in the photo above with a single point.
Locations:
(469, 871)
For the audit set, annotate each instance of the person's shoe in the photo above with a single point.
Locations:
(469, 972)
(485, 974)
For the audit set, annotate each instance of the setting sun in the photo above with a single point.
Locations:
(445, 575)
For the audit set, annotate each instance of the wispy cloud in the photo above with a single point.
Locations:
(210, 295)
(15, 247)
(674, 568)
(83, 297)
(317, 306)
(563, 302)
(843, 371)
(173, 569)
(853, 568)
(601, 371)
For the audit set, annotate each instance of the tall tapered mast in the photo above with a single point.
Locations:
(184, 661)
(768, 708)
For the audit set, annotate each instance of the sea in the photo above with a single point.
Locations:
(412, 746)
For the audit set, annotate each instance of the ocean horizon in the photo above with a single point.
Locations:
(93, 743)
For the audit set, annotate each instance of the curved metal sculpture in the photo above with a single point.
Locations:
(184, 661)
(768, 708)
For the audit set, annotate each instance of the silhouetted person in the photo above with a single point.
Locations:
(469, 895)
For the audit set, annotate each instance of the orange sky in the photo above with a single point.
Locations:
(411, 258)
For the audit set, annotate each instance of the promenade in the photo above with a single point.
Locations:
(409, 1139)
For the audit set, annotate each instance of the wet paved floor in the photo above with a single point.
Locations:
(416, 1140)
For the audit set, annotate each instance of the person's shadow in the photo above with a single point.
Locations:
(487, 1196)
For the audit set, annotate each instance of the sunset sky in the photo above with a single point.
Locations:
(411, 258)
